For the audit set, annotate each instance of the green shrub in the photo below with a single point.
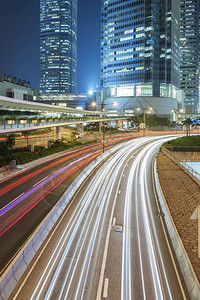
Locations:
(186, 144)
(39, 148)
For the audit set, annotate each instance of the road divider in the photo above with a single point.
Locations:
(18, 266)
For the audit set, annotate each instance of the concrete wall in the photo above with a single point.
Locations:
(162, 106)
(19, 91)
(187, 156)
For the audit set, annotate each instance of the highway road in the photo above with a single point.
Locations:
(111, 241)
(27, 197)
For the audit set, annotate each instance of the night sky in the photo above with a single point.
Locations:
(19, 41)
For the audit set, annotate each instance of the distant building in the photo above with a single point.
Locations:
(77, 101)
(58, 46)
(140, 51)
(189, 53)
(17, 88)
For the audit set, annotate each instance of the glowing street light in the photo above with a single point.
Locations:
(90, 92)
(148, 111)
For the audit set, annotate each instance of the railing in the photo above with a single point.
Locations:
(183, 148)
(183, 165)
(28, 123)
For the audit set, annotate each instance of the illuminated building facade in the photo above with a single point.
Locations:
(140, 47)
(189, 53)
(58, 46)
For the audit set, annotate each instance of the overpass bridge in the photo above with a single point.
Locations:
(70, 116)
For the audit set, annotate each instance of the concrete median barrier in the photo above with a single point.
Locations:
(16, 269)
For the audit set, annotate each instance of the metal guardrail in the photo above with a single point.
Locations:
(62, 122)
(195, 175)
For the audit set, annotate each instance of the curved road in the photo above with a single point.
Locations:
(111, 242)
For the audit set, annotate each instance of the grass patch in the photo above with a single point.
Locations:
(186, 144)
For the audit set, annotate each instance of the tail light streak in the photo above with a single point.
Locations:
(22, 211)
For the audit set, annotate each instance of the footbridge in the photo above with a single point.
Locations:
(9, 123)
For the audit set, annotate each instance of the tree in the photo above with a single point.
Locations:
(187, 122)
(8, 78)
(23, 83)
(14, 79)
(10, 141)
(73, 137)
(135, 121)
(6, 148)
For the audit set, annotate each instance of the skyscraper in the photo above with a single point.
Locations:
(140, 47)
(189, 53)
(58, 46)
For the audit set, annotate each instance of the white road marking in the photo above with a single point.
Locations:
(105, 290)
(12, 201)
(40, 181)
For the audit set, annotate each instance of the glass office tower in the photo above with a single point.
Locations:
(189, 51)
(140, 47)
(58, 46)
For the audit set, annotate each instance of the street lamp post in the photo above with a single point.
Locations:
(103, 110)
(144, 117)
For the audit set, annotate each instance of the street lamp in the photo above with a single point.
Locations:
(176, 113)
(103, 109)
(144, 117)
(94, 104)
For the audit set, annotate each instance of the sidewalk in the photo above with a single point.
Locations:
(5, 174)
(182, 194)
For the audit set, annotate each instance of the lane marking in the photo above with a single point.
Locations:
(40, 181)
(12, 201)
(119, 191)
(114, 221)
(44, 246)
(105, 291)
(103, 266)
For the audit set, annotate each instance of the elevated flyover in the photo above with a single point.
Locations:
(73, 116)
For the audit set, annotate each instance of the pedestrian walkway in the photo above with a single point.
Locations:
(182, 194)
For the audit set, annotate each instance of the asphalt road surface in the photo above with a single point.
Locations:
(111, 242)
(25, 199)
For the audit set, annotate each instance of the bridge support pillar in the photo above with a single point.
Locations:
(79, 128)
(58, 133)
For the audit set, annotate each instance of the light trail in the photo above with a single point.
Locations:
(142, 198)
(97, 205)
(22, 211)
(38, 186)
(27, 177)
(69, 267)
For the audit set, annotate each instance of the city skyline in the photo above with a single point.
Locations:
(20, 50)
(189, 53)
(58, 47)
(140, 50)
